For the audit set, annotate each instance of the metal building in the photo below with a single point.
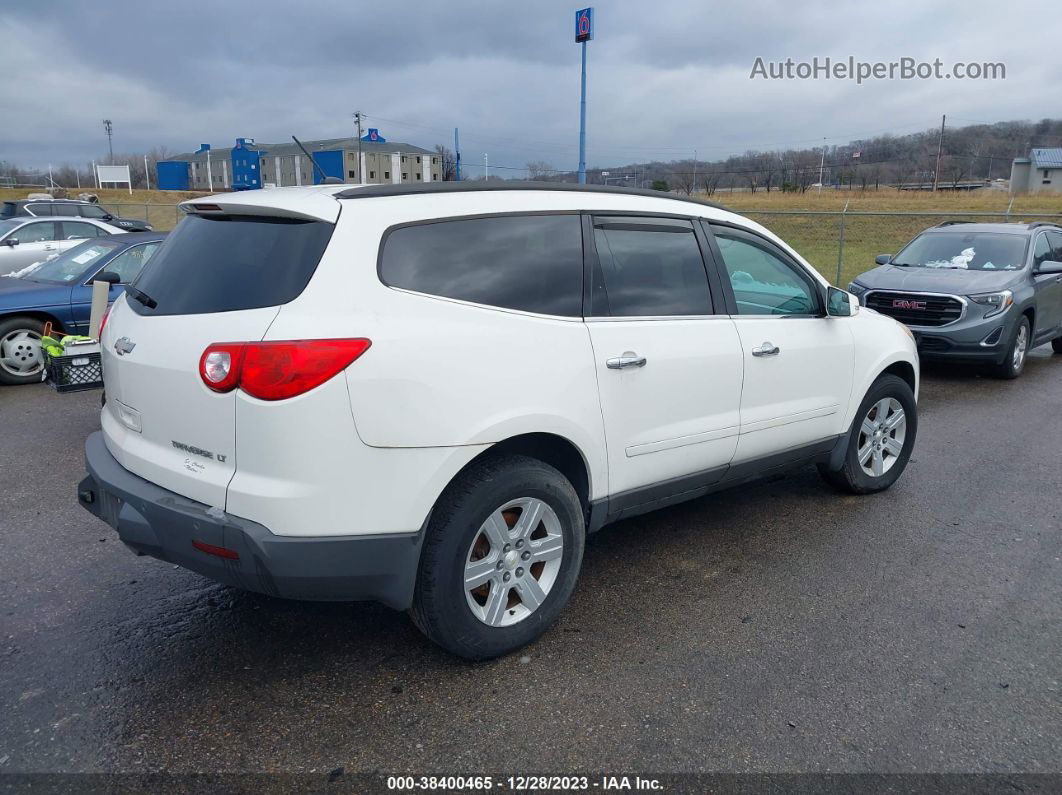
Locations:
(250, 165)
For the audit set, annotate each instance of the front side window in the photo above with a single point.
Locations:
(34, 233)
(93, 211)
(128, 264)
(76, 230)
(529, 263)
(763, 282)
(1041, 250)
(1055, 239)
(648, 267)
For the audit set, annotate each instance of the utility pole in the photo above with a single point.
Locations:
(110, 147)
(822, 163)
(695, 172)
(486, 168)
(457, 157)
(940, 147)
(147, 175)
(357, 119)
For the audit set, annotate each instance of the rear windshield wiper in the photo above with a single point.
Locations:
(141, 296)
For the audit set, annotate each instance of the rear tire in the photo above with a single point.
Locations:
(881, 439)
(21, 360)
(513, 527)
(1056, 345)
(1017, 352)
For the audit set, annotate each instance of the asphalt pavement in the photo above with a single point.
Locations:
(777, 627)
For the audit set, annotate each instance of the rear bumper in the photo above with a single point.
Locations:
(153, 521)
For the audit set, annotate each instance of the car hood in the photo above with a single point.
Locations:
(937, 280)
(21, 293)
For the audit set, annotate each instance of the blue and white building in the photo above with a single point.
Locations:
(249, 165)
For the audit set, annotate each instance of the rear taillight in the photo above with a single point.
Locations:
(103, 321)
(277, 370)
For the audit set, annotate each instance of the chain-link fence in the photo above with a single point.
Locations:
(840, 244)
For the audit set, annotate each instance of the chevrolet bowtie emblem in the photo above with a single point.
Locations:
(123, 346)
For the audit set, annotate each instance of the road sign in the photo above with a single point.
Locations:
(584, 25)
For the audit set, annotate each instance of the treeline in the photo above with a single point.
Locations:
(970, 153)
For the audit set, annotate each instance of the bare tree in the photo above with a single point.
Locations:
(448, 163)
(540, 170)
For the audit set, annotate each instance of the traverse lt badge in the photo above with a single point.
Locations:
(124, 345)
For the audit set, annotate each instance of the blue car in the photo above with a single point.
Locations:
(60, 290)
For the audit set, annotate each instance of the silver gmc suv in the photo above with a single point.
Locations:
(985, 293)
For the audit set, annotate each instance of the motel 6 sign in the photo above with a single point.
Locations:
(584, 25)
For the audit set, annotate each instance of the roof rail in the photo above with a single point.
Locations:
(953, 223)
(1035, 224)
(370, 191)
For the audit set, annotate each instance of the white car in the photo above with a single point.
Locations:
(25, 240)
(429, 395)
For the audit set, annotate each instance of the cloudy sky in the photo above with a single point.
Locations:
(665, 77)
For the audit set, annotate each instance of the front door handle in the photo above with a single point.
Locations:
(49, 248)
(628, 359)
(767, 349)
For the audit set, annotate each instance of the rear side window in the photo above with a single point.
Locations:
(533, 263)
(39, 209)
(228, 263)
(648, 267)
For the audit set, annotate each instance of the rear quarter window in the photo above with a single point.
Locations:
(532, 263)
(230, 263)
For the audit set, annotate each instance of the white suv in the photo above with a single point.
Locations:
(428, 395)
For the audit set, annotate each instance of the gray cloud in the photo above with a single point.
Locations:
(665, 78)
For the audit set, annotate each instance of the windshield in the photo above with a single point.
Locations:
(71, 264)
(977, 251)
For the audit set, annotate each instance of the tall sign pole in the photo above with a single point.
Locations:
(584, 32)
(457, 157)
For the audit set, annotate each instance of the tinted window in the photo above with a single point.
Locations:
(1041, 250)
(763, 282)
(532, 263)
(1055, 239)
(648, 267)
(65, 208)
(228, 263)
(92, 211)
(9, 210)
(39, 210)
(77, 230)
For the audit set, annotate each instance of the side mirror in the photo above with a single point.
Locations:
(883, 259)
(11, 242)
(840, 304)
(108, 217)
(108, 276)
(1049, 266)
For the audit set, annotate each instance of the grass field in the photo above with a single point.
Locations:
(810, 222)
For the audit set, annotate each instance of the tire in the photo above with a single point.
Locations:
(884, 395)
(1017, 352)
(464, 530)
(1056, 344)
(20, 350)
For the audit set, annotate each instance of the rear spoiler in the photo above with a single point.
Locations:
(304, 205)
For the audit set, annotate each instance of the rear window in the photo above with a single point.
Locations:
(229, 263)
(533, 263)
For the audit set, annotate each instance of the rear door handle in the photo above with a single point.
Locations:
(767, 349)
(49, 248)
(628, 359)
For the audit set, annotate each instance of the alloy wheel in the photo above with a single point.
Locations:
(513, 562)
(881, 436)
(1020, 345)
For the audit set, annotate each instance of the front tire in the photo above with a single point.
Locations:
(881, 439)
(1056, 344)
(1014, 363)
(21, 360)
(501, 556)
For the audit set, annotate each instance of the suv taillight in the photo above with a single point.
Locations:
(277, 370)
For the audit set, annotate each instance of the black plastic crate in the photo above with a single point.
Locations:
(75, 372)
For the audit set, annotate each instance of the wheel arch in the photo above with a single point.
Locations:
(36, 314)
